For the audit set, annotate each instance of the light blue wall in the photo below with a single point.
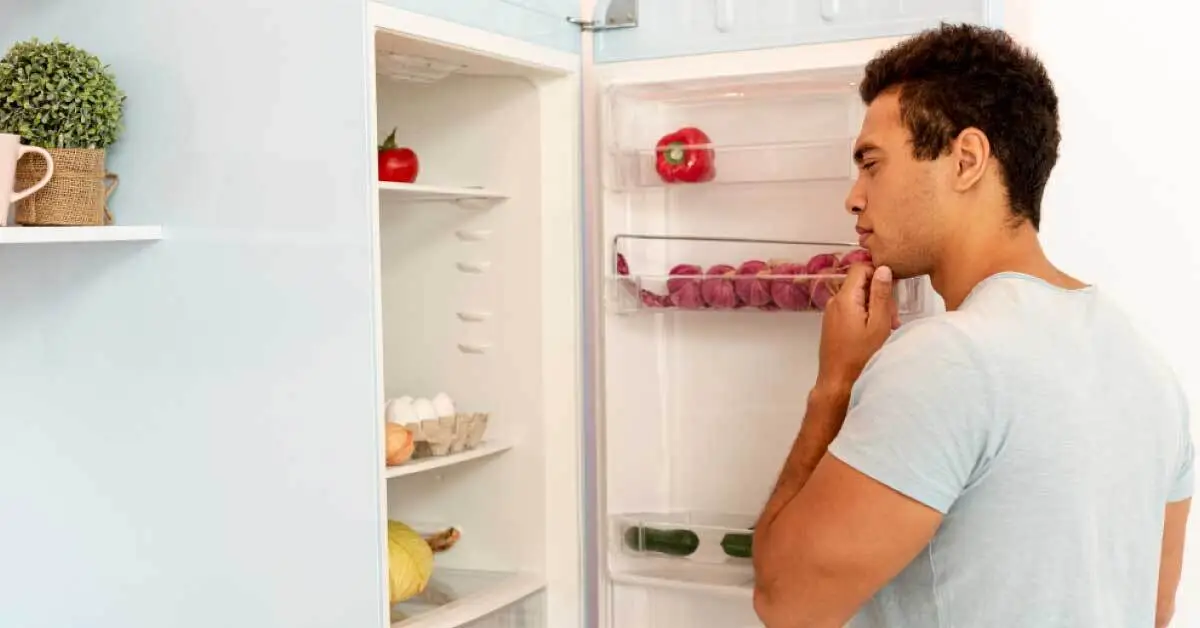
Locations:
(542, 22)
(187, 428)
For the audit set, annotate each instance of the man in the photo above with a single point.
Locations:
(1020, 461)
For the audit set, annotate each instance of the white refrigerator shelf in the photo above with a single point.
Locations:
(419, 465)
(455, 597)
(420, 193)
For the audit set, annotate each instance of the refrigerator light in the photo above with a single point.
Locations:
(414, 68)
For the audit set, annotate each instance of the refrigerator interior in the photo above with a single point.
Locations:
(703, 399)
(461, 315)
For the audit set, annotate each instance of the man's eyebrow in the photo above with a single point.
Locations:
(861, 150)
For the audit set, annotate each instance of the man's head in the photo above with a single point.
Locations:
(959, 138)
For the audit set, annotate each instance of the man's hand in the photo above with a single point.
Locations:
(857, 321)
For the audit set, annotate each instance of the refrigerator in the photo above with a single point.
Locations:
(624, 225)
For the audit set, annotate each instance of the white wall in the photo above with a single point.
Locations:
(1121, 210)
(188, 430)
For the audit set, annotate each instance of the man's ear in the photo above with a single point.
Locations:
(971, 151)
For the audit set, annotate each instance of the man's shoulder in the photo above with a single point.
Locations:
(929, 352)
(935, 334)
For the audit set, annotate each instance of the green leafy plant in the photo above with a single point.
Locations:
(55, 95)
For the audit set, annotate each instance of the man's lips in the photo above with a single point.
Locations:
(863, 234)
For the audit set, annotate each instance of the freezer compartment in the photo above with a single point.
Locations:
(784, 127)
(692, 536)
(674, 164)
(657, 273)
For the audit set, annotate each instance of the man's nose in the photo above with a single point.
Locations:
(856, 201)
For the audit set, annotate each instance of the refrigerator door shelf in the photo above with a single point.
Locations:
(656, 273)
(749, 163)
(712, 538)
(650, 294)
(689, 551)
(753, 129)
(693, 578)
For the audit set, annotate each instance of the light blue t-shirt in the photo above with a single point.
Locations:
(1049, 434)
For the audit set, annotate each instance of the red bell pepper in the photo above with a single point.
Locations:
(397, 164)
(679, 159)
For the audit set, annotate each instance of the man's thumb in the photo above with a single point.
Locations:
(880, 304)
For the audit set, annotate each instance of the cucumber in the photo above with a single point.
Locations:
(737, 545)
(671, 542)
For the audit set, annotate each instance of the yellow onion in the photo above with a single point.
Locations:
(399, 444)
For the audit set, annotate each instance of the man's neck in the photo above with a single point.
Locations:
(972, 259)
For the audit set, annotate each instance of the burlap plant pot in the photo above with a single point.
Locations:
(76, 195)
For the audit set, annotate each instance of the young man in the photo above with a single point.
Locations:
(1022, 460)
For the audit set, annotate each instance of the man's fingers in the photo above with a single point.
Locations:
(881, 307)
(855, 286)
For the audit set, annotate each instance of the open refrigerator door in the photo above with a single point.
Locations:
(722, 237)
(476, 232)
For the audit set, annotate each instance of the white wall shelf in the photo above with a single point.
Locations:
(484, 450)
(53, 235)
(416, 193)
(472, 595)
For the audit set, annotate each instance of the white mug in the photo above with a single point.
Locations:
(11, 151)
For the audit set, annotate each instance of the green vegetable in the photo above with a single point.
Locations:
(55, 95)
(672, 542)
(737, 545)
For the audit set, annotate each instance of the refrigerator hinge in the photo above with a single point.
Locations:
(620, 14)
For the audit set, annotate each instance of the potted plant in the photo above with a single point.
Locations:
(63, 99)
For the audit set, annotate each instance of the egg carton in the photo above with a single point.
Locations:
(447, 435)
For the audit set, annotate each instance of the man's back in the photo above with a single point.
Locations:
(1050, 436)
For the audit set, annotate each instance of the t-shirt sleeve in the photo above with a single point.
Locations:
(921, 419)
(1184, 479)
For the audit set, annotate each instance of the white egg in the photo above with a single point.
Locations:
(443, 405)
(400, 411)
(424, 409)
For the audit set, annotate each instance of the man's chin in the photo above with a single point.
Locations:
(900, 270)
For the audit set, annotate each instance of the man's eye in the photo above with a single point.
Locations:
(869, 165)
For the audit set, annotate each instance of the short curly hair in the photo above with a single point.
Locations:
(957, 76)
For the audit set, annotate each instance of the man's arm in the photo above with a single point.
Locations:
(830, 536)
(871, 473)
(826, 411)
(1171, 567)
